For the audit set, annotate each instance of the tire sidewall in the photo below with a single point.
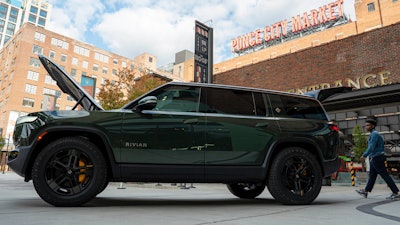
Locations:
(238, 191)
(95, 185)
(276, 184)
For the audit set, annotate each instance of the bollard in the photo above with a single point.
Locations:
(353, 174)
(121, 186)
(386, 166)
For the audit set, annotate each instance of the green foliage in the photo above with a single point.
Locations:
(116, 93)
(2, 142)
(360, 142)
(145, 84)
(112, 93)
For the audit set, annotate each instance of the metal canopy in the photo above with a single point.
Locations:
(363, 98)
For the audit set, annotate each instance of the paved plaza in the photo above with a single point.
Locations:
(149, 203)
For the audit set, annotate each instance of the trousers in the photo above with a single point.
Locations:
(377, 166)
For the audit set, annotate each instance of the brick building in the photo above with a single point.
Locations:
(362, 54)
(361, 61)
(26, 87)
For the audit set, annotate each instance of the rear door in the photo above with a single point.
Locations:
(238, 132)
(304, 119)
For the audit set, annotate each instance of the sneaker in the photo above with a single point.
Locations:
(362, 192)
(394, 196)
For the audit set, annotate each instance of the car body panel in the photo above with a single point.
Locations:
(68, 85)
(238, 140)
(159, 137)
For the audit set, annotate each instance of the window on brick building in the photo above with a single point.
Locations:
(52, 54)
(28, 102)
(371, 7)
(73, 72)
(75, 61)
(34, 62)
(63, 58)
(37, 49)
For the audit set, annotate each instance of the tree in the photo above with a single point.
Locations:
(112, 93)
(2, 142)
(143, 85)
(116, 93)
(360, 142)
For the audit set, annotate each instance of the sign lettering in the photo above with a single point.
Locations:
(284, 29)
(366, 81)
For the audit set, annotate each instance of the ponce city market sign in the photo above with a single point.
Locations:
(312, 19)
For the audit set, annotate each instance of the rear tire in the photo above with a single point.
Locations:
(246, 190)
(69, 172)
(295, 177)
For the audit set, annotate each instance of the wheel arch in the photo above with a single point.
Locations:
(96, 136)
(306, 144)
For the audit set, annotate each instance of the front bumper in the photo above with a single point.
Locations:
(19, 163)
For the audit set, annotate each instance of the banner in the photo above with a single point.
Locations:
(49, 102)
(203, 53)
(88, 84)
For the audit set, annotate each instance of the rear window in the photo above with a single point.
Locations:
(237, 102)
(288, 106)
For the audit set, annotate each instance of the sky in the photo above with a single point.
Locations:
(165, 27)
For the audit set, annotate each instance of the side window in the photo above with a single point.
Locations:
(277, 108)
(293, 107)
(227, 101)
(178, 99)
(259, 100)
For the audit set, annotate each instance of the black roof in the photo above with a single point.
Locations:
(245, 88)
(363, 98)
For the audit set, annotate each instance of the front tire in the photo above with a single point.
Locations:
(69, 172)
(295, 177)
(246, 190)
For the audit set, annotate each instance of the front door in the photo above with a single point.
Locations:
(171, 133)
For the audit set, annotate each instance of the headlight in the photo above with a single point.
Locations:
(26, 119)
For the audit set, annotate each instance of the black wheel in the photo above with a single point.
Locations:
(69, 172)
(246, 190)
(105, 186)
(295, 177)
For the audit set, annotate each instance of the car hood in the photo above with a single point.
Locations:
(69, 86)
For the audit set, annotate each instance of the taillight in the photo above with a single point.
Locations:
(334, 127)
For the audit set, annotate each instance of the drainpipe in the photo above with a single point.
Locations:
(380, 12)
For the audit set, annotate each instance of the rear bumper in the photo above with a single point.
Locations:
(330, 167)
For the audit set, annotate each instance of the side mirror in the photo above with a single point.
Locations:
(147, 103)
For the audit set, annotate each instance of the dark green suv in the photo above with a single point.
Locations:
(245, 138)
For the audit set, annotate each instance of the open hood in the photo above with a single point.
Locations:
(69, 86)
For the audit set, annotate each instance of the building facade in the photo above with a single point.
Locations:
(36, 12)
(370, 15)
(13, 14)
(362, 54)
(25, 85)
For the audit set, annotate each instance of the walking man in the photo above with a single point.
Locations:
(377, 158)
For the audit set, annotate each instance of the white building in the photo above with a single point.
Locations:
(14, 13)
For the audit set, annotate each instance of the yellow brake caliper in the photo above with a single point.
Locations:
(82, 174)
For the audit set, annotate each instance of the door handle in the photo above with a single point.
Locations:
(190, 121)
(262, 124)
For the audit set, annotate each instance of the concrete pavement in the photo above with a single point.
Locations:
(150, 203)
